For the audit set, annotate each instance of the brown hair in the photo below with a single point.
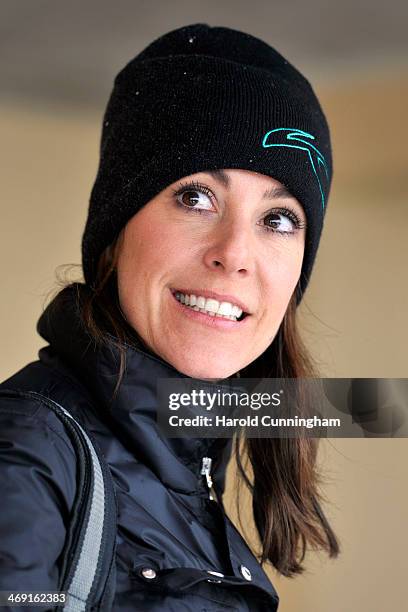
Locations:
(285, 497)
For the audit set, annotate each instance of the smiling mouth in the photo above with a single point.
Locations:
(210, 306)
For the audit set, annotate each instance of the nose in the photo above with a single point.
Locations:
(230, 250)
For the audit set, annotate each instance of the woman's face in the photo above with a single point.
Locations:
(232, 239)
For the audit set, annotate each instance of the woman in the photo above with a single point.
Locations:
(203, 225)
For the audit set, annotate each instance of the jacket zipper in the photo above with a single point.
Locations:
(206, 464)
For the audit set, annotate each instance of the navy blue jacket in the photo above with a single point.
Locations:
(168, 527)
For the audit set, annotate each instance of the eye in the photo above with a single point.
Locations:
(194, 197)
(282, 221)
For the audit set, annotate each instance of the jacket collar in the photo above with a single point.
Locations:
(132, 414)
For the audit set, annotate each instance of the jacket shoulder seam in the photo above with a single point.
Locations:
(37, 419)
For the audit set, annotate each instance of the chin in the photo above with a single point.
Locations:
(206, 370)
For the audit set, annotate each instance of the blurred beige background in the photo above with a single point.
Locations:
(57, 65)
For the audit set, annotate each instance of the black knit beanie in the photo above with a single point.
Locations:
(204, 98)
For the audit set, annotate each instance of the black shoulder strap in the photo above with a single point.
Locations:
(88, 571)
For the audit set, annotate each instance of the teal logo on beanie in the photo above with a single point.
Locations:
(315, 156)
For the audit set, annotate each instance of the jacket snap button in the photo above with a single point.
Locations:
(245, 572)
(148, 572)
(214, 574)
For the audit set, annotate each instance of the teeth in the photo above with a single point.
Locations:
(225, 308)
(210, 306)
(237, 312)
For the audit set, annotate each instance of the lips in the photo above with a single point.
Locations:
(209, 318)
(220, 297)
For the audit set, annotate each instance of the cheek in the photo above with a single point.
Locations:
(280, 280)
(149, 256)
(284, 267)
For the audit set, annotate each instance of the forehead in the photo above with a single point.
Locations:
(226, 178)
(273, 189)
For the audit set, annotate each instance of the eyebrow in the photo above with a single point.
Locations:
(273, 193)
